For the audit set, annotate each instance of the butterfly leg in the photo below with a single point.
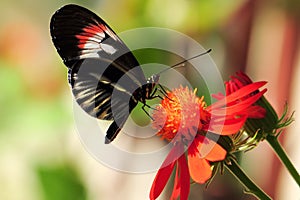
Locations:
(153, 94)
(162, 90)
(143, 107)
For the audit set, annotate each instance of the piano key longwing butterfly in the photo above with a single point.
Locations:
(106, 79)
(97, 59)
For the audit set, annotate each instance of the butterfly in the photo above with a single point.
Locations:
(104, 75)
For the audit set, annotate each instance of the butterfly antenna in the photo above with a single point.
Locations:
(182, 63)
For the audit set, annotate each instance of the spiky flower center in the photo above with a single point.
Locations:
(180, 116)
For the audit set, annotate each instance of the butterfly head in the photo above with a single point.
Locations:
(153, 79)
(147, 90)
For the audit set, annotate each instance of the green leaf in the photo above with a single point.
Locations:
(61, 183)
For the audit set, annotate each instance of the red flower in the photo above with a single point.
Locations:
(234, 84)
(183, 119)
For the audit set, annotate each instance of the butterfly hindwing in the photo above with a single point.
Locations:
(91, 90)
(96, 90)
(99, 95)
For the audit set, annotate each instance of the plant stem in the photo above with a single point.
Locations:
(273, 141)
(250, 186)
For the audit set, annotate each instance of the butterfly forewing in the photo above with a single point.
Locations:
(97, 92)
(103, 73)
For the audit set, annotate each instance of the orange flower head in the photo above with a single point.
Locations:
(178, 117)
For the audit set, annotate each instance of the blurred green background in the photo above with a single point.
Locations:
(41, 156)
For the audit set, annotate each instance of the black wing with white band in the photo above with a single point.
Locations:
(103, 73)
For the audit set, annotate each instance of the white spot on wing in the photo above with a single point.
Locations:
(108, 48)
(88, 55)
(101, 35)
(91, 45)
(120, 88)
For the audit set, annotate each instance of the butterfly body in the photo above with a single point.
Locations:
(106, 79)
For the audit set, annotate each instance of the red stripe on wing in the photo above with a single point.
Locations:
(92, 31)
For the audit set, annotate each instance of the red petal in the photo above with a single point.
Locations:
(160, 180)
(239, 107)
(199, 168)
(211, 151)
(237, 95)
(164, 172)
(176, 189)
(227, 127)
(182, 180)
(244, 77)
(244, 91)
(218, 96)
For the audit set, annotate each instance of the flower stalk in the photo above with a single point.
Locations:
(270, 129)
(274, 143)
(250, 186)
